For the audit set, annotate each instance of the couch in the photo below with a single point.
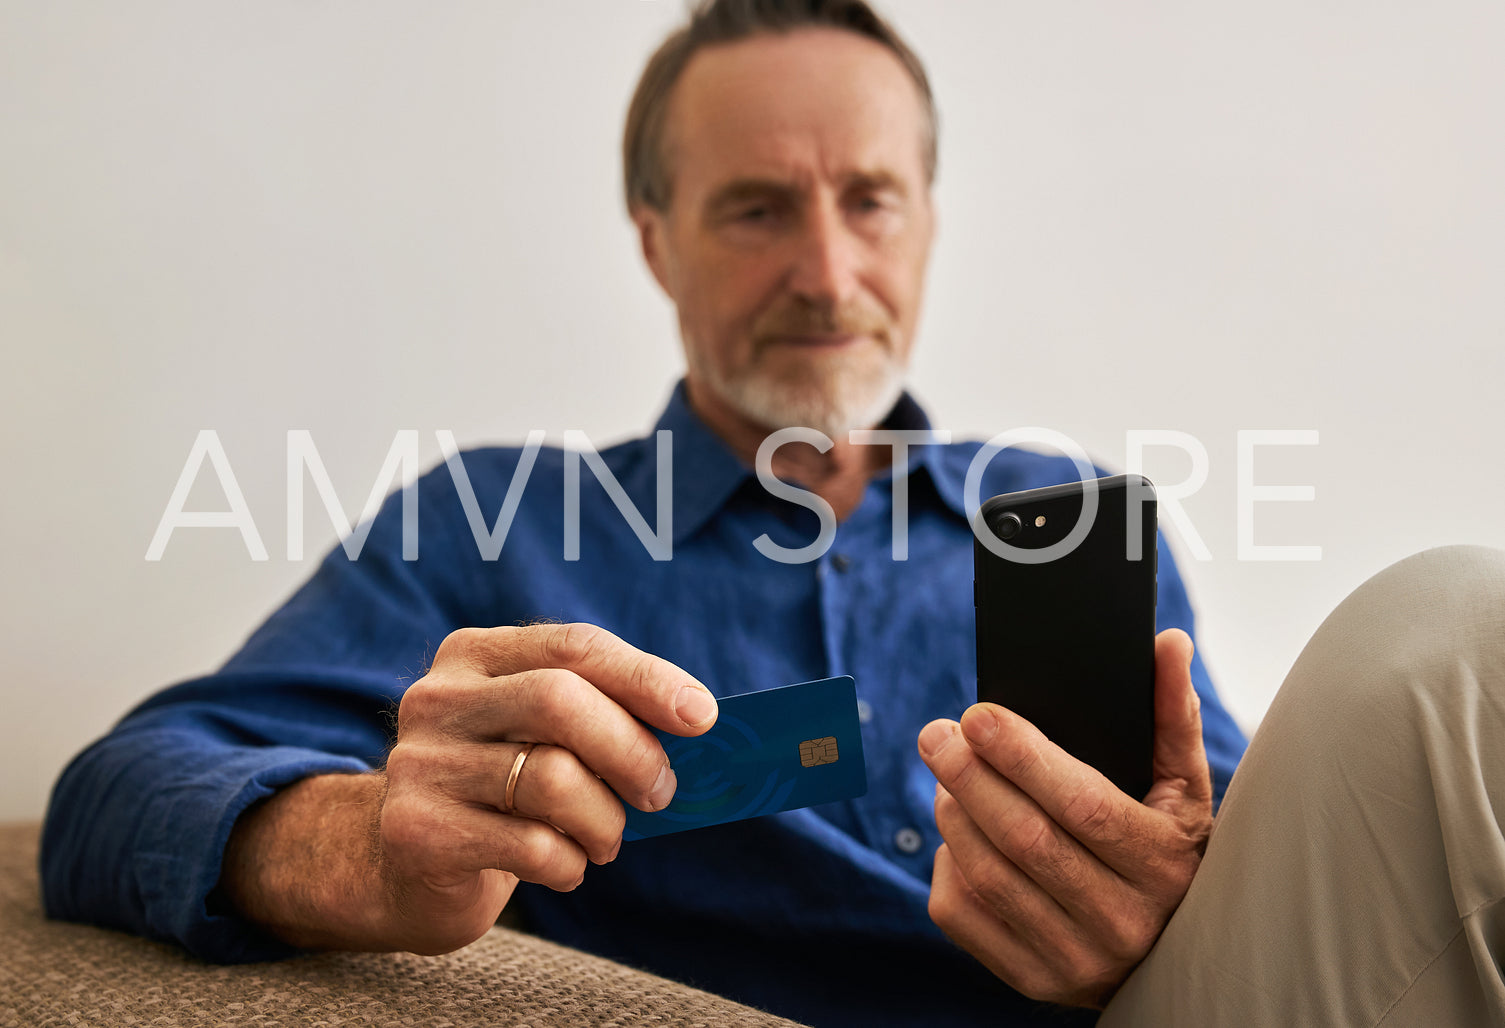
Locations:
(55, 974)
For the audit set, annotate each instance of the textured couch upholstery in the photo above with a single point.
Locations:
(54, 974)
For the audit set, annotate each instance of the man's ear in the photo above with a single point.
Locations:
(652, 231)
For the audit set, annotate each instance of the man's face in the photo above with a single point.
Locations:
(796, 239)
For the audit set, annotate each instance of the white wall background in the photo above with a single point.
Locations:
(359, 217)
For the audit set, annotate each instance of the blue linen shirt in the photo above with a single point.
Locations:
(817, 914)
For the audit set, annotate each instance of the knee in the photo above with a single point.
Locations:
(1462, 571)
(1443, 601)
(1412, 632)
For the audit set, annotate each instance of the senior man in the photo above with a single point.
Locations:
(778, 160)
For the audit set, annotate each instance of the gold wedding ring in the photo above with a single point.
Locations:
(517, 769)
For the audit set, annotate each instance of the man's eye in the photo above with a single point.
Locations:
(754, 215)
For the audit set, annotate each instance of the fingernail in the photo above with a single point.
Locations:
(663, 789)
(934, 735)
(979, 726)
(694, 706)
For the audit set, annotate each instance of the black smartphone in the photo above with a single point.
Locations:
(1065, 593)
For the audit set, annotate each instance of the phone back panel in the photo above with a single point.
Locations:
(1070, 643)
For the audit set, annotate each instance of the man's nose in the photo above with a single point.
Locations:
(826, 264)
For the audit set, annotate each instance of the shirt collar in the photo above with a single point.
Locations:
(931, 459)
(707, 472)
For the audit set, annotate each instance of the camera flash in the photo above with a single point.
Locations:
(1040, 521)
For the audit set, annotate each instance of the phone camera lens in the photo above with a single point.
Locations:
(1009, 526)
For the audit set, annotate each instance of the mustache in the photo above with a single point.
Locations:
(803, 318)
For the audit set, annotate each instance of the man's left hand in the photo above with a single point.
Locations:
(1050, 875)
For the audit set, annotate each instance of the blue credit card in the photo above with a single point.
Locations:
(773, 750)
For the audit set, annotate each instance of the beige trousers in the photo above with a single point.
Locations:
(1356, 870)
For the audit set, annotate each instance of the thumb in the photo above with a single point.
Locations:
(1180, 761)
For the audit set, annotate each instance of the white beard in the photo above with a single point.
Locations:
(833, 399)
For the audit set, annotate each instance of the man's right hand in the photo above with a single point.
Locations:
(434, 828)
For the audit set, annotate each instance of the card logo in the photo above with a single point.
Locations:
(814, 752)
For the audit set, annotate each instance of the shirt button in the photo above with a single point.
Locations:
(864, 711)
(840, 561)
(908, 841)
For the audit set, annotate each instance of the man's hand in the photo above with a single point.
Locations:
(432, 853)
(1050, 875)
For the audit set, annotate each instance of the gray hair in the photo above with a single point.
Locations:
(644, 167)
